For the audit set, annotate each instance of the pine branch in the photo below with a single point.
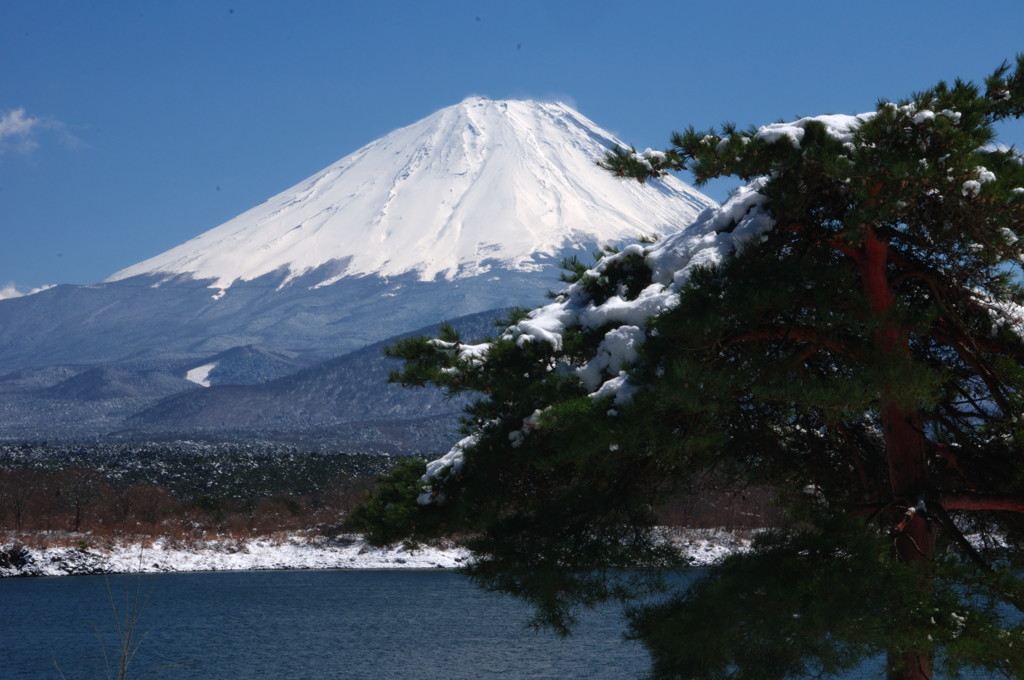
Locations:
(982, 502)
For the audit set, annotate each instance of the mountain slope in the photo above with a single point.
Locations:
(348, 397)
(344, 402)
(469, 209)
(478, 185)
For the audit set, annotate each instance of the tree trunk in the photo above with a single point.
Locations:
(905, 449)
(914, 535)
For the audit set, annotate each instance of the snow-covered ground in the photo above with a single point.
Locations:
(702, 547)
(165, 555)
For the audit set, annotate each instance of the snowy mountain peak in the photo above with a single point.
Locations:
(474, 186)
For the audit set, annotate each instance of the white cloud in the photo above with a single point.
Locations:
(9, 290)
(20, 132)
(15, 123)
(16, 131)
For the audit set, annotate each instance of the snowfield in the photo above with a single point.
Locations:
(166, 555)
(702, 548)
(477, 185)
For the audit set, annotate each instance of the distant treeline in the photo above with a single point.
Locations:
(192, 490)
(185, 489)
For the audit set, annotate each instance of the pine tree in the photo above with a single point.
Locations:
(848, 328)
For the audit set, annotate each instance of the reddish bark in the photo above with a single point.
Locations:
(914, 539)
(905, 444)
(974, 502)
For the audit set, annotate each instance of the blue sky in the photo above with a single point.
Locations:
(128, 127)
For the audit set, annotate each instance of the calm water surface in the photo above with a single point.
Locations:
(302, 624)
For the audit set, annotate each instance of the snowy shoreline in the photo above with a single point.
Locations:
(702, 547)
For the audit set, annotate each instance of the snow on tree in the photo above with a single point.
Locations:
(848, 328)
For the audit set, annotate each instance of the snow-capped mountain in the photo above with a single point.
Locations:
(468, 210)
(479, 185)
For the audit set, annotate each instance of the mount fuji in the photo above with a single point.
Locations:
(478, 186)
(467, 210)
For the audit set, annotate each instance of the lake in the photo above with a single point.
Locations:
(300, 624)
(360, 624)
